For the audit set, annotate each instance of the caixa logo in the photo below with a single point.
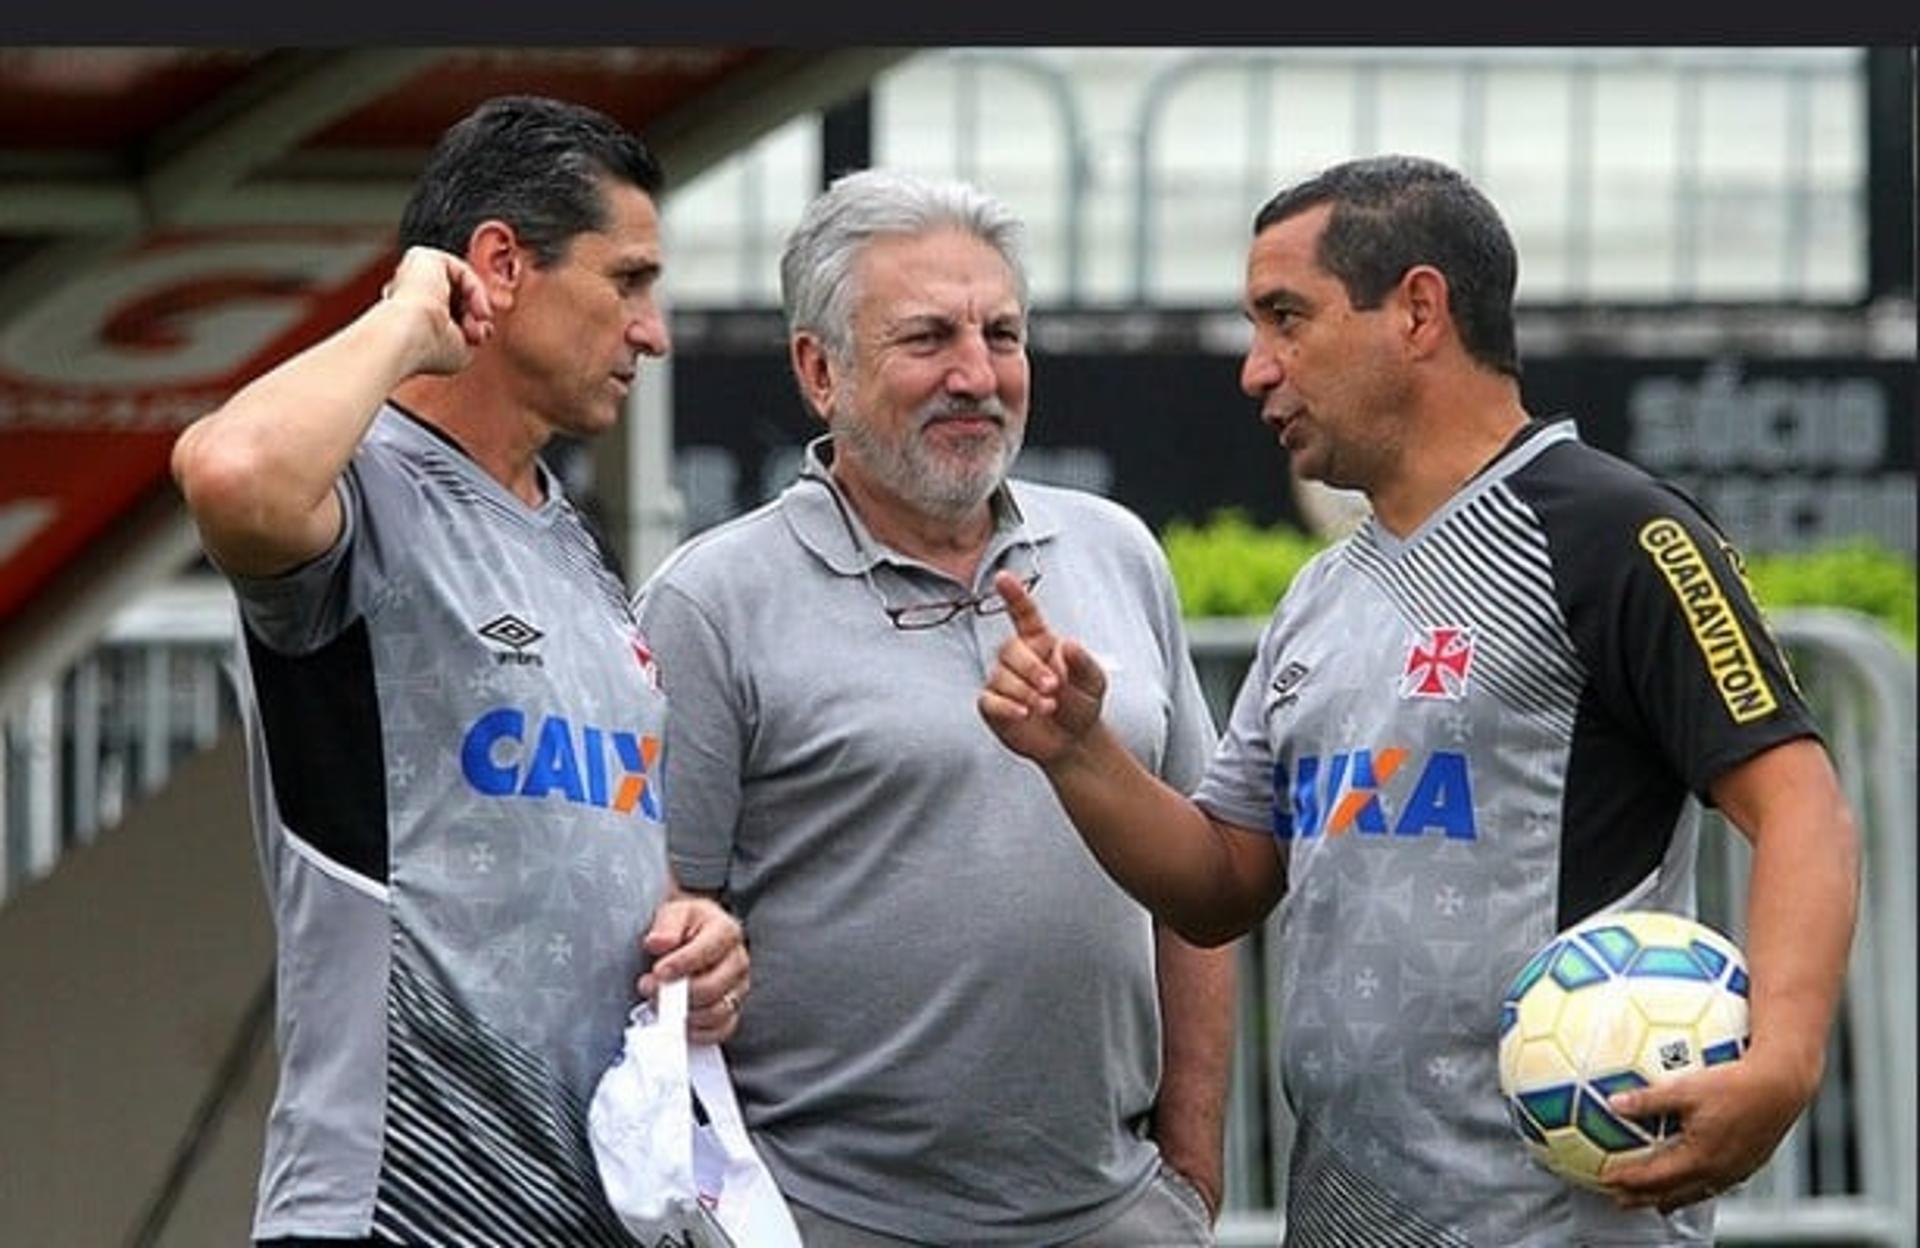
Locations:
(612, 768)
(1353, 791)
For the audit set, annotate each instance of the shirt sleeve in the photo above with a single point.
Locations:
(705, 734)
(300, 610)
(1237, 786)
(1677, 646)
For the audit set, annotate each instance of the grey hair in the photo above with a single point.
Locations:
(816, 268)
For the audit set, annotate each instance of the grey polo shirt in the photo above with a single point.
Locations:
(953, 1035)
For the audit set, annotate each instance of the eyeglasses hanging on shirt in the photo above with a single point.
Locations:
(916, 616)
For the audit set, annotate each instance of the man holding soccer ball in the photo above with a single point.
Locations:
(1469, 725)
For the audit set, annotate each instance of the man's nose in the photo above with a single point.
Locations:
(970, 371)
(647, 331)
(1261, 370)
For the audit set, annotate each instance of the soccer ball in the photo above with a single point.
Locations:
(1618, 1001)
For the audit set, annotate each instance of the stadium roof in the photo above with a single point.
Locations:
(173, 219)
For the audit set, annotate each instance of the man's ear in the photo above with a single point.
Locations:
(813, 369)
(494, 251)
(1423, 298)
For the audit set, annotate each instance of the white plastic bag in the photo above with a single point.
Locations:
(667, 1173)
(745, 1198)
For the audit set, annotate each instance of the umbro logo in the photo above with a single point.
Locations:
(1286, 684)
(516, 634)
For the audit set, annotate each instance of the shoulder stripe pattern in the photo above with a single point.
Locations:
(571, 543)
(578, 549)
(483, 1147)
(1487, 564)
(1346, 1210)
(450, 477)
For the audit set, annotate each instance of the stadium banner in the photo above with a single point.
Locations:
(1787, 454)
(99, 374)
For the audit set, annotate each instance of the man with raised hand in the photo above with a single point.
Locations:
(1468, 725)
(453, 722)
(961, 1032)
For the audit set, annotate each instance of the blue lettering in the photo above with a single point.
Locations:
(476, 752)
(1350, 797)
(1443, 799)
(1366, 817)
(562, 760)
(1282, 819)
(553, 765)
(596, 766)
(1306, 797)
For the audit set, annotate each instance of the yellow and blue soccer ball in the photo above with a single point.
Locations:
(1618, 1001)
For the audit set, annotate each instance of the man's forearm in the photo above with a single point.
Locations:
(259, 471)
(1206, 881)
(1802, 900)
(1800, 918)
(1198, 1000)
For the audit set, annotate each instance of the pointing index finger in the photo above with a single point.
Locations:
(1028, 623)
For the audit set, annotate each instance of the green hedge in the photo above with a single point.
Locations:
(1228, 566)
(1862, 574)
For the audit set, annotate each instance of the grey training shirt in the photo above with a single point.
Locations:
(455, 768)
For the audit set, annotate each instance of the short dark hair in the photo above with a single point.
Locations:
(536, 163)
(1393, 212)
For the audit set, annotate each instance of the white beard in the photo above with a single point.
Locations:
(939, 485)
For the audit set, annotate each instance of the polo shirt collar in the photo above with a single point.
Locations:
(812, 506)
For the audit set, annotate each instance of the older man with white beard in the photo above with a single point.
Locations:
(960, 1031)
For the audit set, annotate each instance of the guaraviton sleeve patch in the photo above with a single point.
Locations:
(1716, 629)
